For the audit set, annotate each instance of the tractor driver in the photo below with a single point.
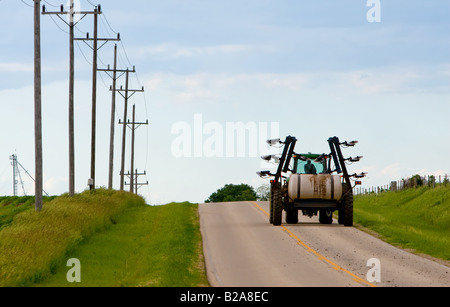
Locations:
(310, 168)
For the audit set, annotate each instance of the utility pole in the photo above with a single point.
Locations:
(94, 96)
(71, 25)
(38, 186)
(127, 95)
(115, 77)
(113, 117)
(133, 126)
(137, 184)
(71, 104)
(13, 158)
(112, 126)
(95, 48)
(16, 171)
(125, 112)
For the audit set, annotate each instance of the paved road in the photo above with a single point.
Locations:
(242, 249)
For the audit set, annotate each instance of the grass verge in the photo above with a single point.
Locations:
(33, 244)
(10, 206)
(156, 246)
(415, 219)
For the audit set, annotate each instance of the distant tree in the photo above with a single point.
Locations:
(232, 192)
(431, 181)
(417, 180)
(445, 182)
(263, 192)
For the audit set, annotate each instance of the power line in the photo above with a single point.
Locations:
(109, 25)
(91, 3)
(26, 3)
(72, 23)
(50, 4)
(95, 48)
(115, 77)
(133, 126)
(54, 21)
(106, 28)
(82, 53)
(128, 93)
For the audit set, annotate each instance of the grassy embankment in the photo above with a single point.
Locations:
(118, 239)
(416, 219)
(10, 206)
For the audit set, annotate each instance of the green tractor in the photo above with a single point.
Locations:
(316, 184)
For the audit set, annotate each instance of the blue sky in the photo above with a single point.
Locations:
(316, 68)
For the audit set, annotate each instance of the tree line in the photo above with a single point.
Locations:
(239, 192)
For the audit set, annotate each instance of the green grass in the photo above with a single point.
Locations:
(33, 244)
(119, 240)
(10, 206)
(417, 219)
(151, 246)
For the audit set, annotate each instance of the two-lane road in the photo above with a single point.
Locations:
(242, 249)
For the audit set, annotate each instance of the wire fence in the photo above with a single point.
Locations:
(409, 183)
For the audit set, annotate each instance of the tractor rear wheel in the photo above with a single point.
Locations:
(271, 207)
(325, 216)
(291, 216)
(273, 186)
(277, 204)
(346, 210)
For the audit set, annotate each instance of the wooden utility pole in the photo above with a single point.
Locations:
(127, 95)
(71, 103)
(94, 97)
(124, 132)
(133, 126)
(137, 184)
(113, 117)
(95, 48)
(38, 186)
(71, 13)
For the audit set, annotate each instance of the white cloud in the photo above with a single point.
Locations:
(56, 183)
(16, 67)
(391, 171)
(153, 83)
(167, 50)
(392, 80)
(29, 67)
(398, 80)
(195, 95)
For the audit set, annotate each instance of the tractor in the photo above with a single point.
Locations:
(311, 183)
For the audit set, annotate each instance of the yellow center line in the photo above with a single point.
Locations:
(321, 257)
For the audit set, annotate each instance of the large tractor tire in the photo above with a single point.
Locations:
(291, 216)
(277, 204)
(273, 186)
(325, 216)
(346, 210)
(271, 208)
